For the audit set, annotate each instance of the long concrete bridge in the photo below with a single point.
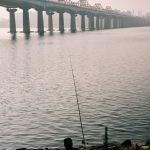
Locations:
(105, 19)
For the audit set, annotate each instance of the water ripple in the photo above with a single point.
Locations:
(37, 101)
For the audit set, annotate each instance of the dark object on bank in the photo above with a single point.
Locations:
(147, 142)
(21, 149)
(68, 144)
(126, 143)
(137, 147)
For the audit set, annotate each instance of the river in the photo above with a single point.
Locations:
(38, 107)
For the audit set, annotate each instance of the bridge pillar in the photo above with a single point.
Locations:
(133, 22)
(127, 22)
(102, 20)
(73, 22)
(130, 22)
(112, 23)
(83, 22)
(115, 22)
(91, 22)
(107, 23)
(50, 21)
(26, 21)
(40, 21)
(61, 22)
(97, 23)
(118, 22)
(12, 19)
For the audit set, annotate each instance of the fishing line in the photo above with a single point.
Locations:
(75, 87)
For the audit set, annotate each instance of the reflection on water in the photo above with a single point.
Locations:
(13, 36)
(37, 100)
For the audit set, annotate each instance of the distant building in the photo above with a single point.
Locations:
(127, 13)
(83, 2)
(147, 15)
(108, 8)
(98, 5)
(140, 13)
(116, 10)
(61, 1)
(75, 3)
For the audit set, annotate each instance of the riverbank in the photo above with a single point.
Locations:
(126, 145)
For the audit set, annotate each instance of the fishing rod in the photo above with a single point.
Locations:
(75, 87)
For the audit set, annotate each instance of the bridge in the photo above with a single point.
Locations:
(105, 19)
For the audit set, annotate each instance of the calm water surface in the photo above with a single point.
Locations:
(37, 100)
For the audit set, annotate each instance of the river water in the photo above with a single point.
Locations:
(37, 100)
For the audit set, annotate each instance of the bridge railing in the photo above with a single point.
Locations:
(69, 2)
(77, 4)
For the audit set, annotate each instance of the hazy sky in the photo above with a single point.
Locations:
(136, 5)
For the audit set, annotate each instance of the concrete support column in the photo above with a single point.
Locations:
(97, 23)
(126, 22)
(144, 22)
(12, 19)
(107, 24)
(115, 22)
(26, 21)
(61, 22)
(83, 22)
(135, 22)
(40, 21)
(111, 23)
(50, 21)
(118, 23)
(91, 22)
(73, 22)
(102, 22)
